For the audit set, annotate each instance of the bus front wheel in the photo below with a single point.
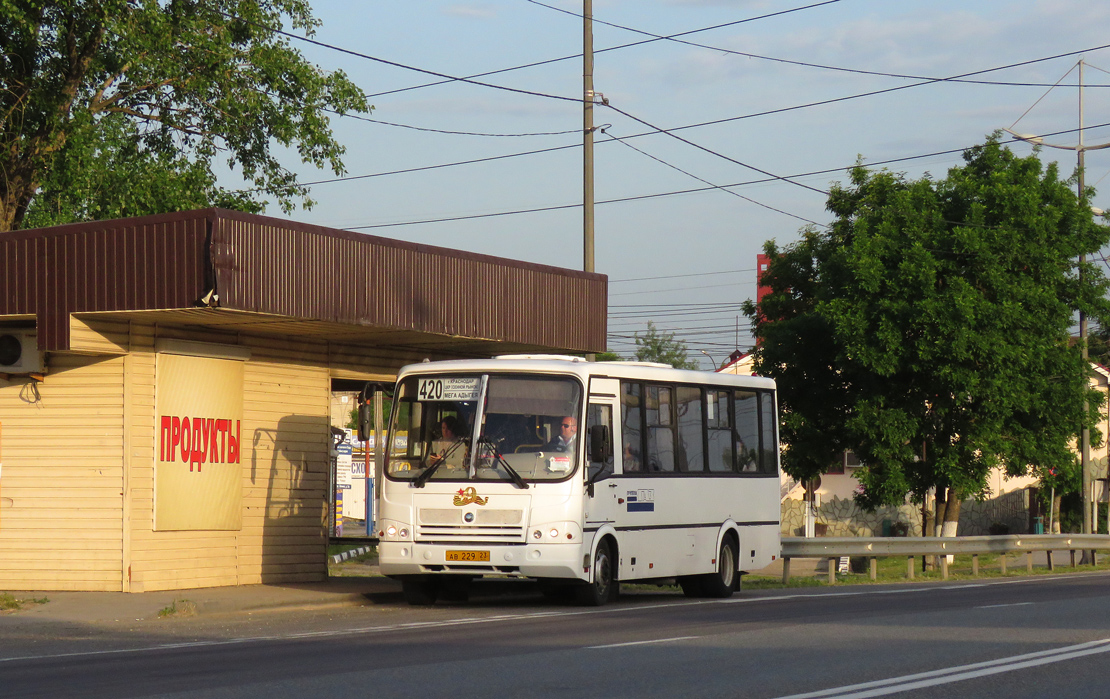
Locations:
(599, 591)
(723, 582)
(420, 592)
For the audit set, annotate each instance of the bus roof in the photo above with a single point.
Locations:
(563, 364)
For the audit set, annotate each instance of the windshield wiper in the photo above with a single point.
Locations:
(498, 459)
(420, 480)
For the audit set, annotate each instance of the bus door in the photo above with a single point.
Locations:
(602, 489)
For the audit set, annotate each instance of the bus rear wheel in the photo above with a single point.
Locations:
(603, 587)
(723, 582)
(691, 585)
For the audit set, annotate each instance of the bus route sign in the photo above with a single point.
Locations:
(449, 389)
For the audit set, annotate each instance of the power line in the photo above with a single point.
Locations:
(456, 133)
(705, 181)
(713, 152)
(604, 50)
(681, 288)
(883, 91)
(674, 38)
(694, 190)
(394, 64)
(676, 276)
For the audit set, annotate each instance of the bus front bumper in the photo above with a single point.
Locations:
(524, 560)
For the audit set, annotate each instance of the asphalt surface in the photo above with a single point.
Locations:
(1011, 638)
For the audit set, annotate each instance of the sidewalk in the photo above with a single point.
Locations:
(107, 607)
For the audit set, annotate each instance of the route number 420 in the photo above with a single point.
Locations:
(430, 389)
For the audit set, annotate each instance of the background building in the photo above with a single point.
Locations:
(166, 384)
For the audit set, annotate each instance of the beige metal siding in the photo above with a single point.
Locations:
(71, 517)
(285, 462)
(286, 439)
(60, 504)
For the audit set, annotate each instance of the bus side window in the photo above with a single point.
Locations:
(719, 422)
(632, 445)
(691, 448)
(660, 429)
(767, 438)
(746, 432)
(598, 414)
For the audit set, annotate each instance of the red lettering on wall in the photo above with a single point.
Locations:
(212, 452)
(166, 438)
(202, 440)
(186, 441)
(175, 438)
(233, 445)
(196, 454)
(221, 427)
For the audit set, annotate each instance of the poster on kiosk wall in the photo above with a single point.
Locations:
(198, 475)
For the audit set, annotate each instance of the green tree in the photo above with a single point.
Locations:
(655, 346)
(105, 171)
(157, 90)
(608, 357)
(928, 329)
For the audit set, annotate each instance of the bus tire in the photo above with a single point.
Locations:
(420, 592)
(691, 585)
(598, 592)
(723, 582)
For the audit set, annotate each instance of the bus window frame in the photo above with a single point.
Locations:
(761, 471)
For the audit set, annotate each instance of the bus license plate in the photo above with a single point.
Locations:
(468, 556)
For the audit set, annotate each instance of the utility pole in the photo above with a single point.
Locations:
(1085, 436)
(1087, 489)
(588, 135)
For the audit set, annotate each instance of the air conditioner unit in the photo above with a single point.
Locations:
(19, 352)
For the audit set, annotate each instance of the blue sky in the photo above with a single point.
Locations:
(698, 249)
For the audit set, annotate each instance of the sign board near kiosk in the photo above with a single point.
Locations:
(198, 470)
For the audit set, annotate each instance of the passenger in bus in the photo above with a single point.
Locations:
(630, 460)
(568, 435)
(450, 447)
(746, 457)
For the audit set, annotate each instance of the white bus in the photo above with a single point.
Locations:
(674, 475)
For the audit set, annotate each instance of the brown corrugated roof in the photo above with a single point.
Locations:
(280, 275)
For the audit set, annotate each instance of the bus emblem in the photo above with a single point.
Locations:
(465, 496)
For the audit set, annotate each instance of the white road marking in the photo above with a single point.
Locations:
(644, 643)
(919, 680)
(996, 606)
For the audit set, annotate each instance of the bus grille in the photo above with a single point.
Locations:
(489, 526)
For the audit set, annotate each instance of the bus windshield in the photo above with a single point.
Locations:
(527, 431)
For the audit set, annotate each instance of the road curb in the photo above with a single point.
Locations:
(353, 553)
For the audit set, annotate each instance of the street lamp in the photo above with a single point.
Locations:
(715, 364)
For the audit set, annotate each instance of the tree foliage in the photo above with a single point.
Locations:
(608, 357)
(120, 107)
(928, 328)
(655, 346)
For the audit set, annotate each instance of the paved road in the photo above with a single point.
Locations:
(1013, 638)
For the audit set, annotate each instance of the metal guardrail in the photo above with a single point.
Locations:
(834, 548)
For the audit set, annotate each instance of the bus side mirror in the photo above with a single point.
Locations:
(364, 416)
(601, 446)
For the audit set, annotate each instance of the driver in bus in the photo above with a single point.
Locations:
(450, 447)
(568, 435)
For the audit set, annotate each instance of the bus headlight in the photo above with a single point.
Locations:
(557, 532)
(393, 531)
